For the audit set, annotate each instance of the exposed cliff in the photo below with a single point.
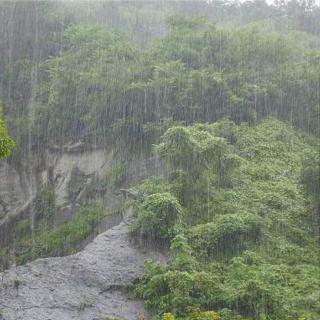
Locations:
(74, 176)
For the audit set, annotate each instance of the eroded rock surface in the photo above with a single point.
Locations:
(88, 285)
(73, 175)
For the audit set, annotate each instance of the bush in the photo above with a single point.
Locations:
(166, 290)
(45, 204)
(157, 216)
(227, 235)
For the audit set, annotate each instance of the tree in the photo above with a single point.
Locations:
(197, 151)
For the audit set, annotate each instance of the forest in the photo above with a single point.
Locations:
(226, 95)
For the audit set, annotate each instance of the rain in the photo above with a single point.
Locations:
(160, 160)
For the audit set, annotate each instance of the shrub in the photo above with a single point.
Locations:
(157, 216)
(196, 314)
(45, 204)
(228, 234)
(6, 143)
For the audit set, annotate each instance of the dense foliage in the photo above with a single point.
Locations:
(247, 247)
(101, 86)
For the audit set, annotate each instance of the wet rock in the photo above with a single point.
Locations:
(88, 285)
(73, 173)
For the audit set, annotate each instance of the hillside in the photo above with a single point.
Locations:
(201, 119)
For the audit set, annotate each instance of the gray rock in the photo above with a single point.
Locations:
(88, 285)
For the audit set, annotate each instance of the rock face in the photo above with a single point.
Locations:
(88, 285)
(73, 175)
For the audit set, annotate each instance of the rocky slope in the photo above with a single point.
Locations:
(91, 284)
